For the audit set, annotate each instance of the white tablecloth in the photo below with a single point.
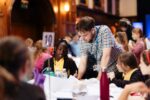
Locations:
(64, 88)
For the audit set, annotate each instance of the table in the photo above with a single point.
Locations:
(65, 88)
(88, 89)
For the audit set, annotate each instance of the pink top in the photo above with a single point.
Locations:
(39, 62)
(138, 48)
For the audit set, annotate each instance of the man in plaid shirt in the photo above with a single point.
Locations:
(98, 48)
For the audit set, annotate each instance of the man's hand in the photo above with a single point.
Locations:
(111, 75)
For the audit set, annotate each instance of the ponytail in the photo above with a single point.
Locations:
(5, 77)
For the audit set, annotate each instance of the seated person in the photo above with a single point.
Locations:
(60, 60)
(139, 87)
(15, 65)
(139, 46)
(40, 55)
(126, 64)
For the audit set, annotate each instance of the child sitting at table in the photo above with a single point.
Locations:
(60, 60)
(128, 70)
(139, 87)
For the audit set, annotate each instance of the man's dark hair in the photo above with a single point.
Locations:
(85, 24)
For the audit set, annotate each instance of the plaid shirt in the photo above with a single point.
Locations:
(94, 50)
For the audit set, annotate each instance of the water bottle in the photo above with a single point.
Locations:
(64, 73)
(58, 73)
(48, 71)
(104, 86)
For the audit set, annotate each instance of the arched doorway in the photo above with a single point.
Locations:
(29, 18)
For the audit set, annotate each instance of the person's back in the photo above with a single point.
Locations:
(39, 61)
(40, 56)
(24, 92)
(122, 40)
(12, 90)
(15, 66)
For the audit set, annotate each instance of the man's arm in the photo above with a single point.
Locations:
(105, 59)
(82, 66)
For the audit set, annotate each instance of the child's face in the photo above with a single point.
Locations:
(144, 68)
(135, 36)
(61, 50)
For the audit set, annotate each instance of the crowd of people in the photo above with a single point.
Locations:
(124, 55)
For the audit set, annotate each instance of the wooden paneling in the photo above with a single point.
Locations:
(5, 8)
(31, 22)
(26, 24)
(99, 16)
(65, 21)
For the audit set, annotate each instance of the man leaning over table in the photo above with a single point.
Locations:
(98, 48)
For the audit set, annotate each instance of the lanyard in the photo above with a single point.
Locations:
(96, 67)
(96, 40)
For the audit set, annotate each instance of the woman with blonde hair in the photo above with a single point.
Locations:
(40, 56)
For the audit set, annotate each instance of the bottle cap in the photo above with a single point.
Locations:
(64, 69)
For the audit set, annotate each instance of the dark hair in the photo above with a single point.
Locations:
(57, 45)
(129, 59)
(146, 57)
(126, 24)
(13, 54)
(85, 24)
(123, 24)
